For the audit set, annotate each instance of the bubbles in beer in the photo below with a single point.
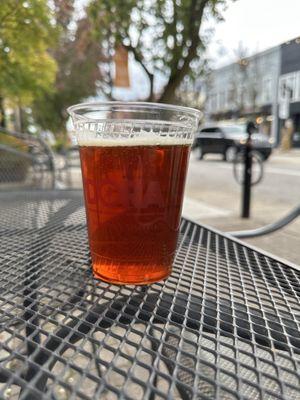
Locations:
(133, 195)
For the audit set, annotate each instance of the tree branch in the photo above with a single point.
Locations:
(106, 89)
(178, 48)
(139, 59)
(179, 72)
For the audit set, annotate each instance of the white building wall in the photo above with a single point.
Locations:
(228, 85)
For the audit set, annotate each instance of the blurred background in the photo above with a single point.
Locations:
(235, 60)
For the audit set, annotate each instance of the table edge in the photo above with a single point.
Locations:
(281, 260)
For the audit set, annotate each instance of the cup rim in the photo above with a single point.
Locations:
(192, 112)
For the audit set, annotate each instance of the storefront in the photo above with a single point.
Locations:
(289, 86)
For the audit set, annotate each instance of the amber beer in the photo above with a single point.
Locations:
(133, 197)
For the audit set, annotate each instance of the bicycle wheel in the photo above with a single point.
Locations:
(257, 168)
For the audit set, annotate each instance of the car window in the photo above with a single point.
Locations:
(234, 129)
(209, 130)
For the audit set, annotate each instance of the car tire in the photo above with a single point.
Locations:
(230, 153)
(264, 157)
(200, 153)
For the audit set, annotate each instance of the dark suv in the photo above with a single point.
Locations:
(228, 140)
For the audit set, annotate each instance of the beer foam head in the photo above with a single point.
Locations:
(104, 140)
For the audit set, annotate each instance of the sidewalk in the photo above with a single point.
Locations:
(284, 243)
(289, 157)
(213, 198)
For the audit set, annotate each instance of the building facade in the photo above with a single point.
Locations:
(247, 89)
(289, 83)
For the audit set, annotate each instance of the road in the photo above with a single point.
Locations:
(213, 197)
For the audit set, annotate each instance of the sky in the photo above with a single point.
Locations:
(257, 24)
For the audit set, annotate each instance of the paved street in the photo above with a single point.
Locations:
(213, 197)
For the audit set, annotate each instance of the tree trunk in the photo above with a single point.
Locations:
(2, 114)
(22, 120)
(151, 93)
(178, 75)
(18, 119)
(169, 91)
(179, 72)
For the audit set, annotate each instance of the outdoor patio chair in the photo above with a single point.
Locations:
(26, 161)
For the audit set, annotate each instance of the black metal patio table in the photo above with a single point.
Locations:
(225, 325)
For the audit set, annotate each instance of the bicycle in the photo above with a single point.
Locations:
(257, 167)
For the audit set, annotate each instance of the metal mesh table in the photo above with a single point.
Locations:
(225, 325)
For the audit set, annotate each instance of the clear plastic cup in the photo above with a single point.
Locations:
(134, 159)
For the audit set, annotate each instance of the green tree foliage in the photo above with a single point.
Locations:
(163, 35)
(77, 56)
(26, 67)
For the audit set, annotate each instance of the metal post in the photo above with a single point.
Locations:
(246, 200)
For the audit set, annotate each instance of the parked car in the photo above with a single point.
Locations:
(228, 140)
